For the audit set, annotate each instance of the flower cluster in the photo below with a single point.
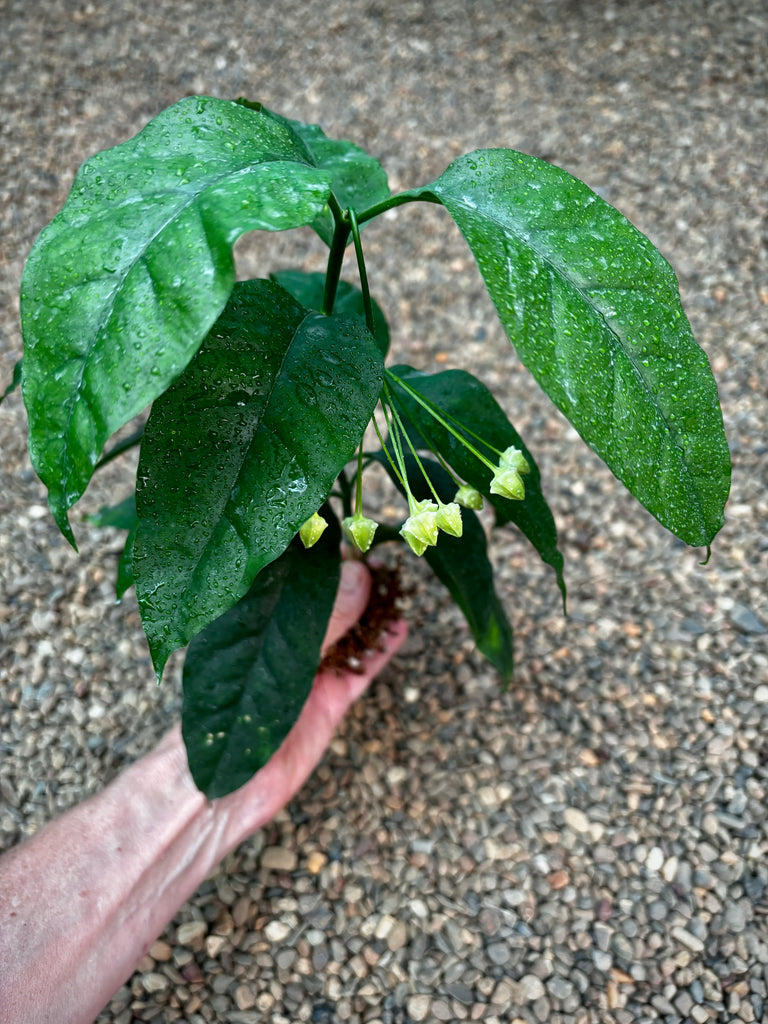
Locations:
(426, 518)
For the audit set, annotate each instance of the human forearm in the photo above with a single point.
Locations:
(82, 901)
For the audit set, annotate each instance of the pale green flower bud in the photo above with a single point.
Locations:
(469, 497)
(420, 528)
(312, 530)
(360, 531)
(513, 458)
(508, 484)
(449, 519)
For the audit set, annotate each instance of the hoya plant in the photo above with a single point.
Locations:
(261, 393)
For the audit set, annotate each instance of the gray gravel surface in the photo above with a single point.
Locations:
(590, 845)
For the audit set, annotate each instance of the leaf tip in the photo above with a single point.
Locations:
(62, 521)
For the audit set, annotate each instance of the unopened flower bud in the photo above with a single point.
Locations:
(508, 484)
(420, 528)
(513, 458)
(449, 519)
(469, 497)
(312, 530)
(360, 531)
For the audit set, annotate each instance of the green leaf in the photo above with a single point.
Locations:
(357, 179)
(125, 566)
(462, 565)
(240, 451)
(15, 380)
(466, 399)
(308, 289)
(122, 286)
(247, 675)
(121, 516)
(594, 312)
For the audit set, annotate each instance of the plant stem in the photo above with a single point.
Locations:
(437, 454)
(119, 448)
(439, 416)
(361, 270)
(336, 255)
(389, 204)
(414, 453)
(346, 492)
(359, 488)
(395, 470)
(394, 438)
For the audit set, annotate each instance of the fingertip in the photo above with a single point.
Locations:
(354, 576)
(351, 601)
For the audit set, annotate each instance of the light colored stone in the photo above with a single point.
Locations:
(161, 951)
(214, 945)
(277, 931)
(669, 870)
(245, 997)
(398, 937)
(688, 940)
(504, 993)
(531, 988)
(316, 861)
(655, 859)
(154, 982)
(192, 931)
(418, 1007)
(576, 820)
(385, 926)
(278, 858)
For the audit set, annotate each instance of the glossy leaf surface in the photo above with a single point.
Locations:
(594, 312)
(122, 286)
(357, 179)
(247, 675)
(462, 565)
(240, 451)
(308, 289)
(466, 399)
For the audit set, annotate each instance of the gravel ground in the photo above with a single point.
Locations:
(591, 845)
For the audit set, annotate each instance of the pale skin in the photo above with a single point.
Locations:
(84, 899)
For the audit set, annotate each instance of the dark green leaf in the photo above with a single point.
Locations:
(122, 286)
(240, 451)
(121, 516)
(461, 563)
(467, 400)
(308, 289)
(594, 312)
(125, 566)
(247, 675)
(357, 179)
(15, 380)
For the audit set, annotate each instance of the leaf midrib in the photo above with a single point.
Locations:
(221, 514)
(614, 335)
(107, 306)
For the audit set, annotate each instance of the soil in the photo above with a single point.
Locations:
(382, 609)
